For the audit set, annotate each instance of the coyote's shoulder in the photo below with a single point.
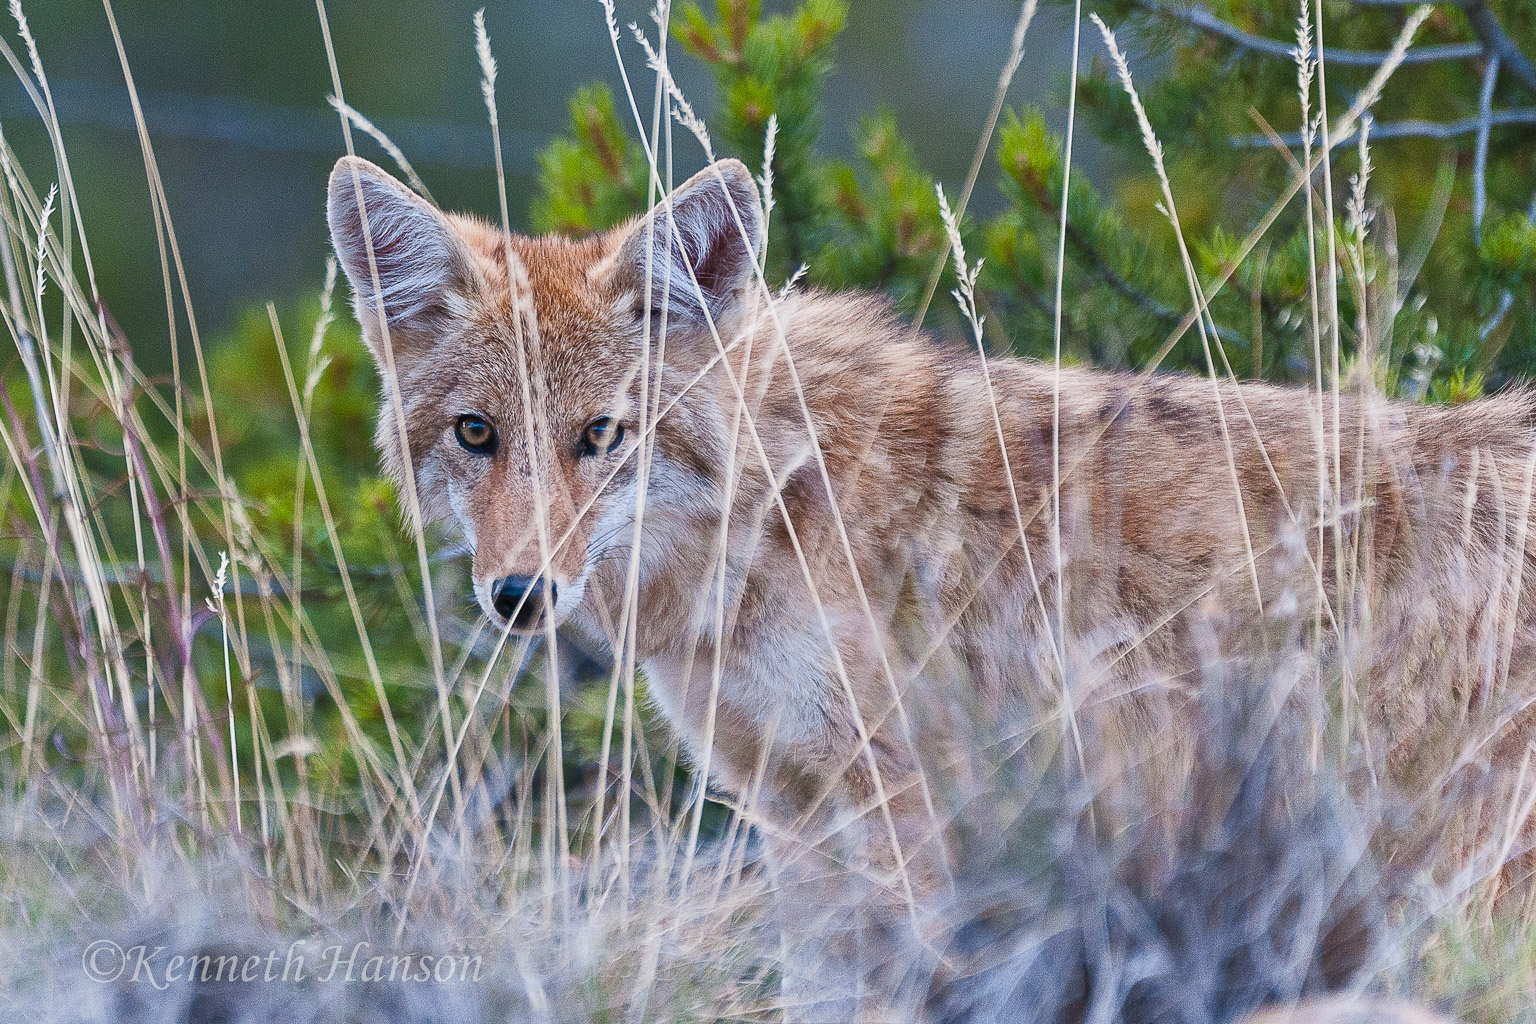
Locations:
(814, 526)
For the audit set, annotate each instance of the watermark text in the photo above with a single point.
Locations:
(300, 962)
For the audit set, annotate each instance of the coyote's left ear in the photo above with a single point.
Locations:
(715, 228)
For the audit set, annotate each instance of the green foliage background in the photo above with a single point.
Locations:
(873, 222)
(1465, 325)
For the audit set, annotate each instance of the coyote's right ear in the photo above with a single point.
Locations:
(712, 237)
(418, 257)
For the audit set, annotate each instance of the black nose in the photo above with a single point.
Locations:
(521, 599)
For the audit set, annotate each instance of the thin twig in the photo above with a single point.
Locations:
(1202, 18)
(1480, 159)
(1497, 43)
(1410, 129)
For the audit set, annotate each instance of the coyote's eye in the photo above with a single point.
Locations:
(601, 435)
(475, 434)
(656, 319)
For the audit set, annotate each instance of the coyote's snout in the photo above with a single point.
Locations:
(816, 525)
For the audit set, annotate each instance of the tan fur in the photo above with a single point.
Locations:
(1433, 505)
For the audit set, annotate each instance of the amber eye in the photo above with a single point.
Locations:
(475, 434)
(601, 435)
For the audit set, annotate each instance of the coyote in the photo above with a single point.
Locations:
(836, 543)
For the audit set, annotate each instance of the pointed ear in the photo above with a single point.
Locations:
(419, 257)
(705, 210)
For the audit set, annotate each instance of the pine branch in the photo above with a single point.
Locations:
(1490, 33)
(1202, 18)
(1407, 129)
(1498, 44)
(1480, 155)
(1094, 262)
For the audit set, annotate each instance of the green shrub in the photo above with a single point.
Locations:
(875, 224)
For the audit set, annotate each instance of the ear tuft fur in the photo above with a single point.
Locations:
(716, 229)
(415, 251)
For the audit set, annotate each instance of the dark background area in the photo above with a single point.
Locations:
(235, 99)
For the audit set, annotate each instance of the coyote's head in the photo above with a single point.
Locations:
(512, 370)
